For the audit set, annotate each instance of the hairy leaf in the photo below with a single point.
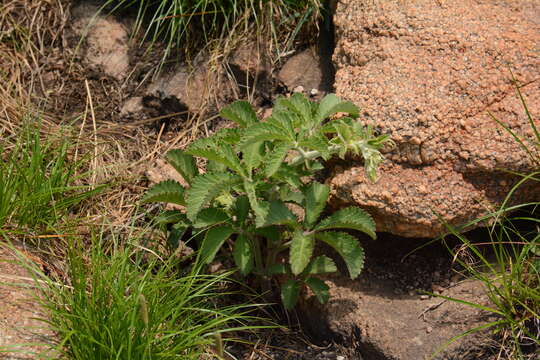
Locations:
(260, 207)
(253, 155)
(221, 153)
(205, 188)
(279, 214)
(275, 158)
(241, 208)
(316, 195)
(301, 251)
(349, 218)
(214, 239)
(348, 247)
(263, 132)
(299, 104)
(210, 216)
(319, 288)
(286, 194)
(331, 104)
(243, 254)
(240, 112)
(321, 265)
(168, 191)
(289, 293)
(183, 163)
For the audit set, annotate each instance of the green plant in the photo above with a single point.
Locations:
(260, 197)
(37, 182)
(122, 302)
(512, 281)
(189, 24)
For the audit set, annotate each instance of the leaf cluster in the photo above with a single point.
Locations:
(258, 193)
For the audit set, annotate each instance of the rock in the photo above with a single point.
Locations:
(302, 70)
(106, 38)
(193, 89)
(382, 325)
(132, 106)
(427, 72)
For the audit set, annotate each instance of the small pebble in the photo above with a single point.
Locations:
(298, 89)
(340, 357)
(429, 329)
(314, 92)
(424, 297)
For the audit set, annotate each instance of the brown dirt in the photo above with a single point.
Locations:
(19, 324)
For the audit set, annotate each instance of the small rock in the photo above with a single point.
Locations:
(301, 69)
(340, 357)
(132, 106)
(424, 297)
(429, 329)
(314, 92)
(298, 89)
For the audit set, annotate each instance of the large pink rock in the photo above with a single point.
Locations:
(428, 72)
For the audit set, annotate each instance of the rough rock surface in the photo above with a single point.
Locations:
(106, 38)
(385, 326)
(303, 70)
(427, 72)
(385, 314)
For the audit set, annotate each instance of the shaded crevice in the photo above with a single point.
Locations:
(326, 46)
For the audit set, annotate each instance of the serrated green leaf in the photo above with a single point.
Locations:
(349, 218)
(168, 191)
(301, 251)
(317, 142)
(289, 293)
(299, 104)
(221, 153)
(241, 208)
(213, 240)
(289, 175)
(319, 288)
(279, 214)
(243, 254)
(260, 207)
(240, 112)
(215, 167)
(321, 265)
(253, 155)
(286, 121)
(331, 104)
(183, 163)
(316, 195)
(286, 194)
(263, 132)
(348, 247)
(207, 187)
(275, 158)
(210, 216)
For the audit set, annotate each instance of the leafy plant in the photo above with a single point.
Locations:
(260, 197)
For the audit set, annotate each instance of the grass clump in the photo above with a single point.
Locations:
(38, 182)
(190, 24)
(124, 303)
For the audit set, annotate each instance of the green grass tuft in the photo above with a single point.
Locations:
(38, 182)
